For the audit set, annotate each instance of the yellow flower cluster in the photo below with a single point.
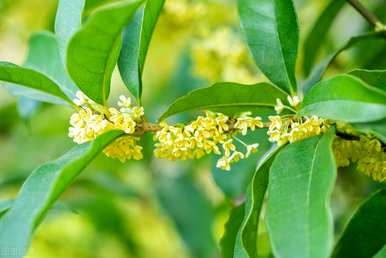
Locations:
(222, 56)
(367, 152)
(93, 119)
(182, 13)
(294, 128)
(206, 135)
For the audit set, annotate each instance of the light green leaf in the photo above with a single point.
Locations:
(377, 128)
(68, 21)
(41, 190)
(228, 240)
(345, 98)
(271, 31)
(381, 254)
(376, 78)
(93, 51)
(318, 72)
(4, 206)
(136, 39)
(27, 107)
(301, 180)
(44, 56)
(315, 39)
(228, 98)
(365, 234)
(31, 83)
(246, 242)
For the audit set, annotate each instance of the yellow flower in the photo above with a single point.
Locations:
(124, 148)
(366, 152)
(252, 148)
(279, 106)
(294, 101)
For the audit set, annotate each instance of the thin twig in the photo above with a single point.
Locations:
(369, 16)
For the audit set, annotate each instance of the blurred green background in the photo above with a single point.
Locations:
(153, 208)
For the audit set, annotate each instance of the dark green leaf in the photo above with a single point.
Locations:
(377, 128)
(68, 21)
(318, 72)
(318, 33)
(345, 98)
(376, 78)
(40, 191)
(31, 83)
(271, 30)
(228, 98)
(299, 219)
(136, 39)
(228, 240)
(365, 234)
(246, 242)
(93, 51)
(181, 199)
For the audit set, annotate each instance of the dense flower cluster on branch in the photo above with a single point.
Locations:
(212, 133)
(216, 133)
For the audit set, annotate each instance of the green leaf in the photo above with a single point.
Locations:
(345, 98)
(40, 191)
(271, 31)
(181, 199)
(376, 78)
(246, 242)
(315, 39)
(318, 72)
(381, 254)
(136, 39)
(365, 234)
(228, 240)
(27, 107)
(93, 51)
(68, 21)
(299, 219)
(4, 206)
(31, 83)
(228, 98)
(44, 56)
(377, 128)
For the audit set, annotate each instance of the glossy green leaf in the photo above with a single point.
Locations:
(318, 33)
(228, 98)
(271, 31)
(376, 78)
(228, 240)
(318, 72)
(30, 82)
(136, 39)
(301, 180)
(181, 199)
(91, 62)
(68, 21)
(345, 98)
(246, 242)
(44, 56)
(377, 128)
(40, 191)
(365, 234)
